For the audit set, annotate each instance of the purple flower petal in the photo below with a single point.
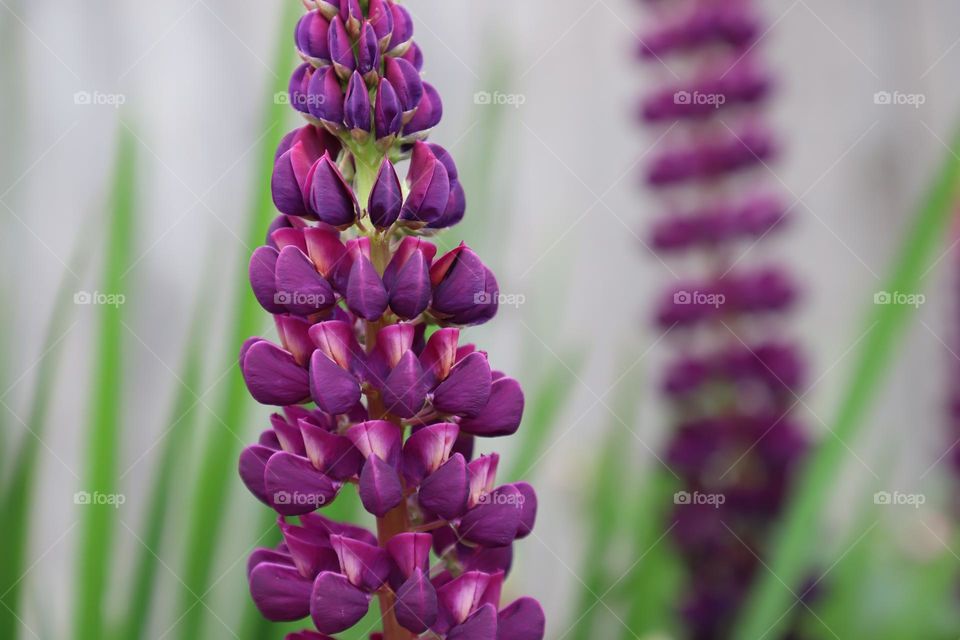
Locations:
(381, 18)
(368, 51)
(405, 389)
(495, 521)
(416, 606)
(280, 592)
(332, 388)
(426, 449)
(356, 107)
(331, 199)
(309, 549)
(429, 186)
(333, 454)
(440, 354)
(380, 488)
(411, 292)
(528, 515)
(273, 375)
(406, 82)
(402, 30)
(377, 438)
(365, 565)
(295, 337)
(288, 435)
(388, 114)
(289, 179)
(329, 255)
(299, 287)
(410, 552)
(311, 36)
(522, 620)
(253, 463)
(386, 197)
(428, 113)
(262, 554)
(325, 97)
(294, 486)
(341, 51)
(366, 295)
(263, 265)
(482, 625)
(462, 596)
(445, 491)
(502, 415)
(335, 604)
(467, 389)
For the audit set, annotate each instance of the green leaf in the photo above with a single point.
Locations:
(98, 521)
(19, 491)
(540, 419)
(798, 535)
(182, 425)
(217, 472)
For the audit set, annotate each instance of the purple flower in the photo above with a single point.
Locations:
(735, 376)
(375, 392)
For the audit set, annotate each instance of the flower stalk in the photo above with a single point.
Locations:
(375, 388)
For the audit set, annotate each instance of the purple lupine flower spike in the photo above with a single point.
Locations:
(734, 377)
(365, 394)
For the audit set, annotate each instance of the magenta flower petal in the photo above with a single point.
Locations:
(446, 490)
(310, 550)
(380, 487)
(294, 486)
(329, 255)
(462, 596)
(273, 375)
(502, 415)
(440, 353)
(416, 606)
(386, 197)
(263, 266)
(381, 18)
(288, 181)
(335, 339)
(311, 36)
(288, 435)
(335, 604)
(402, 29)
(366, 295)
(263, 554)
(331, 198)
(280, 592)
(426, 449)
(429, 187)
(253, 464)
(294, 334)
(299, 287)
(522, 620)
(368, 51)
(325, 97)
(332, 388)
(405, 389)
(466, 391)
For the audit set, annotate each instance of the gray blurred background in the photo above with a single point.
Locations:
(562, 224)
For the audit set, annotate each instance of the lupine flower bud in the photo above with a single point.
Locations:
(388, 116)
(341, 53)
(386, 197)
(312, 37)
(368, 400)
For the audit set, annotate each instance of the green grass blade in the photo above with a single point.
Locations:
(98, 521)
(18, 492)
(798, 534)
(183, 419)
(217, 471)
(540, 418)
